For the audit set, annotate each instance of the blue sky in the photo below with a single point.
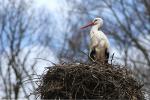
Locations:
(52, 5)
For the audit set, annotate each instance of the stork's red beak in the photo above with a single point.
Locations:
(89, 24)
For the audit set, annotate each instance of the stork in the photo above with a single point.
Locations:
(99, 44)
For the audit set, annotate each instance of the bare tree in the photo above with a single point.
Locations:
(21, 29)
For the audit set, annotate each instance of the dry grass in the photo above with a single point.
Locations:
(89, 81)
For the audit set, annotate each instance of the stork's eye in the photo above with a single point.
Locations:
(95, 20)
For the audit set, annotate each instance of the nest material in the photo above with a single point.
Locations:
(89, 81)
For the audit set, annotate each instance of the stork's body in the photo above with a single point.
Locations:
(99, 44)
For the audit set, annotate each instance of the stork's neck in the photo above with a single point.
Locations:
(95, 31)
(95, 28)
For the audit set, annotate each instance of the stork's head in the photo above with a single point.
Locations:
(97, 22)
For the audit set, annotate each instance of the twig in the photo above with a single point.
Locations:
(46, 60)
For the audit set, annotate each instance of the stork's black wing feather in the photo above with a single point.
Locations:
(106, 55)
(92, 54)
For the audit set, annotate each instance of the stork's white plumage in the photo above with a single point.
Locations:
(99, 44)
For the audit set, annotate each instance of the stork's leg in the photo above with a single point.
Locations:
(92, 54)
(106, 55)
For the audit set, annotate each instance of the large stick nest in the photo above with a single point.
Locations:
(89, 81)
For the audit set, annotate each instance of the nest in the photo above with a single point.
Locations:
(89, 81)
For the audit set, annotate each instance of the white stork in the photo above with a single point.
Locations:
(99, 44)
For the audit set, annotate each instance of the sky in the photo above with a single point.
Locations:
(57, 8)
(52, 5)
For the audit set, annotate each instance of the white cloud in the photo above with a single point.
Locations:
(52, 5)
